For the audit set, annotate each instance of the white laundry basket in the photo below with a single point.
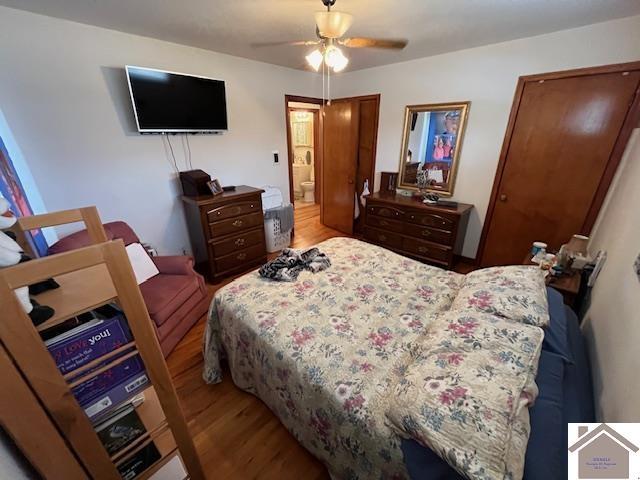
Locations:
(275, 239)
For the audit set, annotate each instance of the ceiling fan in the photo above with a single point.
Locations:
(330, 29)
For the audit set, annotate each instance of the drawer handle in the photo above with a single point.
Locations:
(218, 213)
(239, 242)
(426, 233)
(241, 256)
(423, 249)
(251, 206)
(237, 223)
(382, 238)
(384, 223)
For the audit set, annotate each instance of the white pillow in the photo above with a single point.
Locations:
(143, 266)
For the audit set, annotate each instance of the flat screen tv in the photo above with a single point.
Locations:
(167, 102)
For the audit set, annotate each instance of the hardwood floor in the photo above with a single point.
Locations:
(236, 435)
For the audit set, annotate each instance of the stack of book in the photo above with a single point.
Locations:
(106, 397)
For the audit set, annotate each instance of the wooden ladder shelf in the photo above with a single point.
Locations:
(89, 277)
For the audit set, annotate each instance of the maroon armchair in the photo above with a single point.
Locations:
(175, 299)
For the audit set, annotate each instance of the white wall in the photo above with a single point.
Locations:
(611, 322)
(64, 95)
(487, 77)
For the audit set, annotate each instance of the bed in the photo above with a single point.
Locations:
(344, 357)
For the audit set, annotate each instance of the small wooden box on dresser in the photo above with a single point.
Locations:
(429, 233)
(227, 231)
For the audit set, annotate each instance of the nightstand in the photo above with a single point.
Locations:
(568, 284)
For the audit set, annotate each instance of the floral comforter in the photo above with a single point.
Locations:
(339, 357)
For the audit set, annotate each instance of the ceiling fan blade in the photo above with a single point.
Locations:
(303, 43)
(361, 42)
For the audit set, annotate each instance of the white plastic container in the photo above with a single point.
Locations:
(275, 239)
(271, 198)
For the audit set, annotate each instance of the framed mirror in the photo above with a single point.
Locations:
(431, 141)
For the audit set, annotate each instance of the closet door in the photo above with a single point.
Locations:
(340, 151)
(559, 155)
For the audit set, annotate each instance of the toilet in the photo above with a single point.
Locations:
(308, 190)
(301, 174)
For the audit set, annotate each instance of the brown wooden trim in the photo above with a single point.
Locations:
(29, 427)
(287, 116)
(581, 72)
(631, 120)
(317, 154)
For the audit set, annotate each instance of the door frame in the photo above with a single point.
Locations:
(630, 122)
(317, 143)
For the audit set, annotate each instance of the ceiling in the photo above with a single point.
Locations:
(432, 26)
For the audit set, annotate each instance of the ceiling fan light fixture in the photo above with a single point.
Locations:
(340, 63)
(333, 24)
(314, 59)
(332, 55)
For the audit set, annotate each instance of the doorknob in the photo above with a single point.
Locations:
(503, 197)
(350, 181)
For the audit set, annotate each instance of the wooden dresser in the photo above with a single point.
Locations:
(227, 231)
(428, 233)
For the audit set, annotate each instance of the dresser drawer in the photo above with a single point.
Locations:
(383, 238)
(238, 242)
(240, 258)
(238, 224)
(233, 210)
(444, 237)
(436, 220)
(387, 212)
(384, 223)
(427, 250)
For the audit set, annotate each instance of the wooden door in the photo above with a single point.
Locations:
(340, 150)
(556, 161)
(367, 140)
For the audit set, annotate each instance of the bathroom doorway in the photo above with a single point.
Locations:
(304, 142)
